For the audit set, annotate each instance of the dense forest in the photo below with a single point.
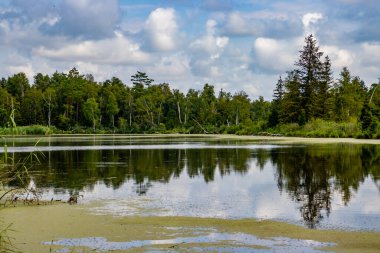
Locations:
(306, 102)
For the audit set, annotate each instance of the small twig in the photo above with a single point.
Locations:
(10, 191)
(175, 245)
(204, 130)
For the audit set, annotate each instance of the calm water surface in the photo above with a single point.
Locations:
(314, 185)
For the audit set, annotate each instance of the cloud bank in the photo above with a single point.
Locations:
(234, 45)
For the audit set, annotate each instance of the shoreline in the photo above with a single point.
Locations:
(271, 139)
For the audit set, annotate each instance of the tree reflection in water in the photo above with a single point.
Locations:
(309, 174)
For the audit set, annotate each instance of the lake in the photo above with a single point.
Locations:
(329, 186)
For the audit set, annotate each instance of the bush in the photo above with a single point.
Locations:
(319, 128)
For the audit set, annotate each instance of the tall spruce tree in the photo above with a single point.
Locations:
(291, 107)
(278, 95)
(310, 66)
(279, 91)
(322, 101)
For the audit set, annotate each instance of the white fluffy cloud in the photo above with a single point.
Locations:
(176, 65)
(274, 55)
(117, 50)
(371, 53)
(311, 18)
(241, 46)
(162, 29)
(207, 50)
(339, 57)
(25, 68)
(369, 62)
(210, 43)
(310, 22)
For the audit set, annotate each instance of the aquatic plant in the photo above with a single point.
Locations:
(12, 170)
(6, 245)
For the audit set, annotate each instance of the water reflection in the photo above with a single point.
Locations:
(310, 175)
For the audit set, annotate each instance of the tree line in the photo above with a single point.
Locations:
(74, 102)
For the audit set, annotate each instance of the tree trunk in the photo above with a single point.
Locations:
(149, 112)
(77, 113)
(49, 115)
(159, 115)
(179, 113)
(130, 112)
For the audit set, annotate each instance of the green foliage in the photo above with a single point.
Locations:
(91, 111)
(349, 97)
(291, 107)
(17, 85)
(319, 128)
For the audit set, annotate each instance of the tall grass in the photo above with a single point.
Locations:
(6, 245)
(27, 130)
(11, 170)
(320, 128)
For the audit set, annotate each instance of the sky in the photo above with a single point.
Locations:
(233, 45)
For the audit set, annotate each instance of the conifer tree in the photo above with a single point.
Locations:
(291, 109)
(278, 95)
(310, 66)
(322, 102)
(279, 90)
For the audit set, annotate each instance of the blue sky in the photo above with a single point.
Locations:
(234, 45)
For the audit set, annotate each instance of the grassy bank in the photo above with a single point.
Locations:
(27, 130)
(320, 129)
(316, 128)
(209, 137)
(38, 224)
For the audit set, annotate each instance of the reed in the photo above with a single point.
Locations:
(6, 245)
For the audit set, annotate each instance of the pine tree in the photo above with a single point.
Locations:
(291, 108)
(310, 66)
(368, 120)
(322, 102)
(278, 95)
